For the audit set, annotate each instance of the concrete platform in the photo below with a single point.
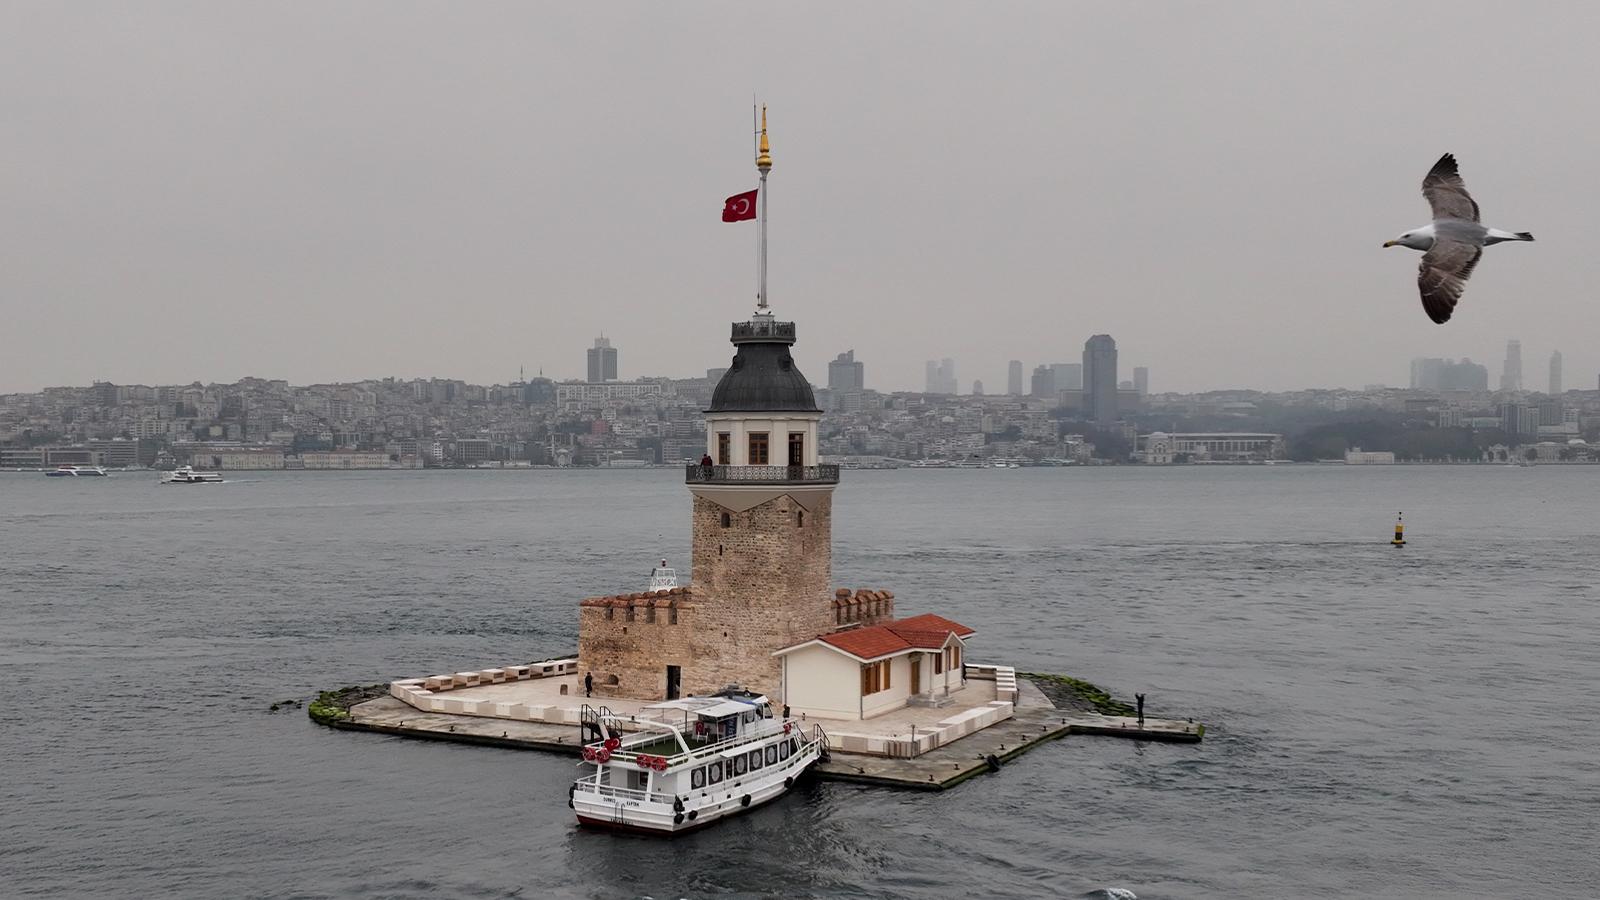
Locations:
(1034, 722)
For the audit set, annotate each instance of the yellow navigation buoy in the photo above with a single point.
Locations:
(1399, 531)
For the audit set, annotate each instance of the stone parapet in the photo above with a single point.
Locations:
(424, 693)
(862, 606)
(908, 745)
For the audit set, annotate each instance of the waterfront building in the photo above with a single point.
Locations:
(1555, 374)
(602, 361)
(1014, 378)
(1355, 456)
(1162, 447)
(1511, 369)
(1100, 379)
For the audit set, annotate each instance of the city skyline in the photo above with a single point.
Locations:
(201, 206)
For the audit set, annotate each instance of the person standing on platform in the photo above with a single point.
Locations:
(588, 684)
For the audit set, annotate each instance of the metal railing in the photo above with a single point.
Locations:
(762, 329)
(761, 474)
(589, 785)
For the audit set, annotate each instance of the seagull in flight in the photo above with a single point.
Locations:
(1452, 242)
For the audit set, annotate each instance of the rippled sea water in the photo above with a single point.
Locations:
(1386, 723)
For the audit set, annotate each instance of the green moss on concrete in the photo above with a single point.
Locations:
(1075, 693)
(332, 707)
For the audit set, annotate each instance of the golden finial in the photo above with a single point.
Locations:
(764, 161)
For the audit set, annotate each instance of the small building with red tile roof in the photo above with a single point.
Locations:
(858, 673)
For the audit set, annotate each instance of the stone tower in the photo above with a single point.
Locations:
(763, 516)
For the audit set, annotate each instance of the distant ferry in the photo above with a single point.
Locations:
(690, 762)
(77, 472)
(187, 475)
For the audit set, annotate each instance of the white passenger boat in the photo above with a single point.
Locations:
(187, 475)
(683, 764)
(77, 472)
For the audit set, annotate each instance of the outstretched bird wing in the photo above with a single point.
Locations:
(1443, 274)
(1447, 193)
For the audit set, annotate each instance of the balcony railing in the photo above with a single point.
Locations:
(761, 474)
(764, 330)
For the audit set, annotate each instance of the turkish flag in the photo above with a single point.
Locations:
(739, 207)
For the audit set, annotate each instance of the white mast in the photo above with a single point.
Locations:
(763, 165)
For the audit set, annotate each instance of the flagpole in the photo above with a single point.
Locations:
(763, 165)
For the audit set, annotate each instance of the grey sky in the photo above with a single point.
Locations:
(335, 191)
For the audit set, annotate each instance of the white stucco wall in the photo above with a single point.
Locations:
(896, 696)
(822, 682)
(740, 426)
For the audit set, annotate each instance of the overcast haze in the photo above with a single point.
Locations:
(324, 192)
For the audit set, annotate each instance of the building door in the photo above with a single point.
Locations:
(797, 449)
(916, 674)
(674, 681)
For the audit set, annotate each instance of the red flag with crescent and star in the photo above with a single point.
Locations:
(739, 207)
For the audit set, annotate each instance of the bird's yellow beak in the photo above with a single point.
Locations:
(1390, 243)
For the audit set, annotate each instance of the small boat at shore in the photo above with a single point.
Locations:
(684, 764)
(187, 475)
(77, 472)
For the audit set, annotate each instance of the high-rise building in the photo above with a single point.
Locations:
(1465, 375)
(845, 374)
(1426, 373)
(1511, 369)
(1014, 378)
(1141, 380)
(1043, 385)
(941, 377)
(602, 361)
(977, 388)
(1555, 373)
(1100, 379)
(1069, 376)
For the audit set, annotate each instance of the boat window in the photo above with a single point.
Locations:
(755, 759)
(783, 750)
(772, 754)
(714, 772)
(697, 778)
(794, 746)
(739, 762)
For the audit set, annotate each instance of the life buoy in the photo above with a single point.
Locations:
(613, 743)
(699, 727)
(786, 727)
(602, 755)
(589, 754)
(659, 763)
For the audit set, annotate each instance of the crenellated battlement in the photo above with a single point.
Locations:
(862, 606)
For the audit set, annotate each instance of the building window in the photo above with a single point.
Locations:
(650, 614)
(724, 442)
(672, 616)
(726, 521)
(938, 665)
(800, 518)
(758, 448)
(629, 616)
(797, 448)
(875, 677)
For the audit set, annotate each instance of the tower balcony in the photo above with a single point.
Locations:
(761, 475)
(763, 330)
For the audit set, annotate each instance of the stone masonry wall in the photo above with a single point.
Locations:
(761, 583)
(628, 641)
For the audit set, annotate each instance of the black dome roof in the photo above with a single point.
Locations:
(763, 376)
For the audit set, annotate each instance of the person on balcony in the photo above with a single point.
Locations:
(706, 464)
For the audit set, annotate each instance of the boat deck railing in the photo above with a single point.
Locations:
(590, 784)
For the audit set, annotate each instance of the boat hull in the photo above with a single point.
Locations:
(657, 818)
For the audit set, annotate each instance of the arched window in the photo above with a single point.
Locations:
(726, 520)
(800, 518)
